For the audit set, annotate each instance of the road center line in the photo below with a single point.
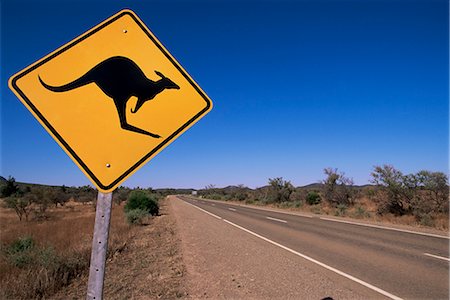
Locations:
(368, 285)
(232, 209)
(386, 228)
(205, 211)
(437, 256)
(275, 219)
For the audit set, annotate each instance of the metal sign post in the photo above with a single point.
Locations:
(99, 246)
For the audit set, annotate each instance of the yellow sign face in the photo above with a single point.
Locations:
(112, 98)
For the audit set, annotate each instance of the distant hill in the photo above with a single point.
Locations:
(171, 191)
(167, 191)
(312, 186)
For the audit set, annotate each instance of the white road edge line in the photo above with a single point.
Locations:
(275, 219)
(437, 256)
(368, 285)
(211, 214)
(387, 228)
(232, 209)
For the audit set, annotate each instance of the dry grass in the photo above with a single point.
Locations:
(62, 243)
(149, 267)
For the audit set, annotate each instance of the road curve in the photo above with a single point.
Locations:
(394, 264)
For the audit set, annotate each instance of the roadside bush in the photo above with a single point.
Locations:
(279, 190)
(215, 197)
(228, 197)
(341, 210)
(421, 194)
(338, 188)
(297, 204)
(425, 219)
(313, 198)
(285, 204)
(18, 253)
(136, 216)
(395, 190)
(143, 201)
(361, 212)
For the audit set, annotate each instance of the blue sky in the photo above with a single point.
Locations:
(297, 86)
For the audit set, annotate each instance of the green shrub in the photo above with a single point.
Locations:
(425, 219)
(297, 204)
(136, 216)
(361, 212)
(143, 201)
(20, 252)
(285, 204)
(228, 197)
(313, 198)
(249, 201)
(341, 210)
(21, 245)
(215, 197)
(23, 253)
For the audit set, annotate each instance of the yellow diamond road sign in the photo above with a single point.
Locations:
(112, 98)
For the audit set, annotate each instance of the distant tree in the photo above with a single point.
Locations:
(21, 204)
(391, 182)
(211, 192)
(10, 188)
(279, 190)
(25, 190)
(436, 186)
(85, 194)
(41, 198)
(120, 195)
(210, 187)
(337, 188)
(58, 196)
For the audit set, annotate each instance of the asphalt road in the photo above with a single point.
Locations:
(395, 264)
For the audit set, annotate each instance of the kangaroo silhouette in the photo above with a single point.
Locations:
(120, 78)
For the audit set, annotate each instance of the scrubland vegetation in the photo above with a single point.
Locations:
(46, 231)
(46, 234)
(414, 199)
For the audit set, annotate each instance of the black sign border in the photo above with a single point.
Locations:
(65, 144)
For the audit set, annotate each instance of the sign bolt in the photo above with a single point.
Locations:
(108, 165)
